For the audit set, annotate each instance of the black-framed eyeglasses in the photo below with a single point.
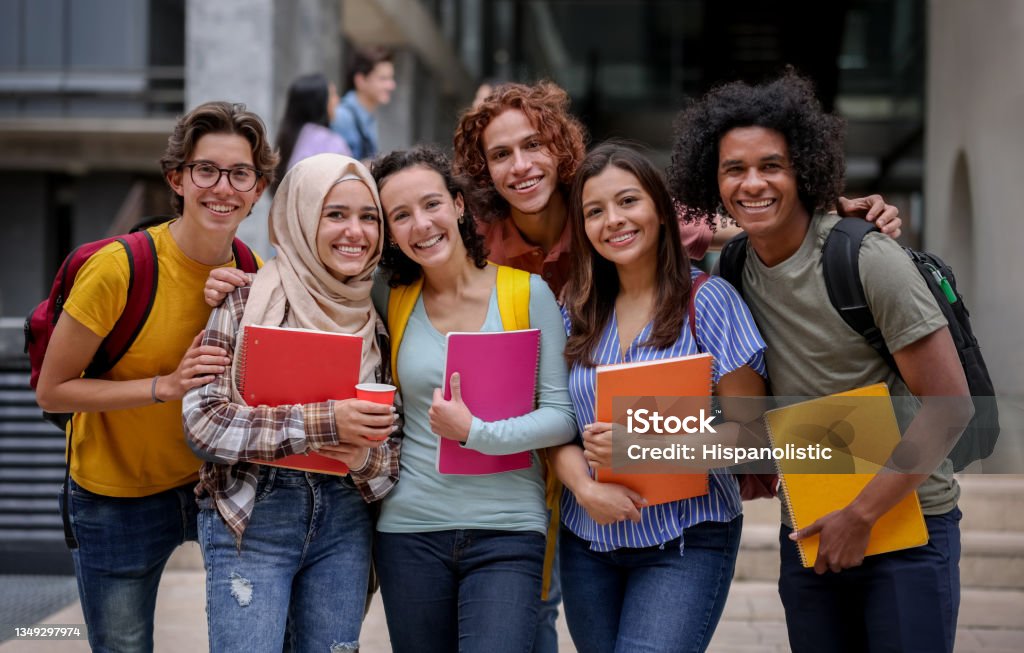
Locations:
(207, 175)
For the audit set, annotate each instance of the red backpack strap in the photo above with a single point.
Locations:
(691, 304)
(245, 259)
(143, 269)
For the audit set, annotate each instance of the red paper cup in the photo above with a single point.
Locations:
(380, 393)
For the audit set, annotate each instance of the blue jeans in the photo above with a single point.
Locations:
(652, 599)
(123, 546)
(304, 559)
(901, 601)
(546, 638)
(472, 591)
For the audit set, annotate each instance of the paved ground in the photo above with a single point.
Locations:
(753, 621)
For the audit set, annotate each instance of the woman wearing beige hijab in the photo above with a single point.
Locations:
(283, 545)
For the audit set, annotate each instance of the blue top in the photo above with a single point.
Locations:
(357, 126)
(426, 500)
(725, 330)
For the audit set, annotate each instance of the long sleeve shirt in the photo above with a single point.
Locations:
(427, 500)
(233, 438)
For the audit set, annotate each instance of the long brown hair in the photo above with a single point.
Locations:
(593, 282)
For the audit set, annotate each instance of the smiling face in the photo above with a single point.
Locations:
(758, 185)
(349, 229)
(422, 216)
(375, 87)
(220, 208)
(620, 218)
(520, 162)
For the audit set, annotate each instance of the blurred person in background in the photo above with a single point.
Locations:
(305, 127)
(370, 80)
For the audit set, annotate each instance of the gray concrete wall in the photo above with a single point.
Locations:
(974, 149)
(249, 51)
(23, 244)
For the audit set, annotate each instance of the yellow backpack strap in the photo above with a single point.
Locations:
(514, 306)
(513, 298)
(401, 301)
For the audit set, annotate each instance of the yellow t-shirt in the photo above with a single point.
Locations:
(139, 451)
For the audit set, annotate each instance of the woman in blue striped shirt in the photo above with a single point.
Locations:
(637, 577)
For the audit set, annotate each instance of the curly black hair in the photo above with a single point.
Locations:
(786, 105)
(404, 270)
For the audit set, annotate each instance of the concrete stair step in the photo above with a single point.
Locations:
(754, 621)
(758, 601)
(989, 560)
(992, 502)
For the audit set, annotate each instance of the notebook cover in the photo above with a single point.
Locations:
(498, 370)
(684, 376)
(811, 496)
(283, 366)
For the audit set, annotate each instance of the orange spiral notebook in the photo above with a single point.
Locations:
(685, 376)
(862, 433)
(498, 372)
(284, 366)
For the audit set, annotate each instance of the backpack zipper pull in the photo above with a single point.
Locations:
(943, 282)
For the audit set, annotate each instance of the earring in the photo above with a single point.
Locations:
(462, 218)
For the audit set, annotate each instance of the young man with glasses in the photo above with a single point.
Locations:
(131, 502)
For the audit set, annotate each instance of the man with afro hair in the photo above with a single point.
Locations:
(770, 158)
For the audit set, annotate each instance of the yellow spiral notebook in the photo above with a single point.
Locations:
(862, 433)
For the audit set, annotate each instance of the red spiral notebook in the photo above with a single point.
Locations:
(685, 376)
(283, 366)
(498, 370)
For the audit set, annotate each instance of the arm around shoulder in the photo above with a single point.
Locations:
(223, 431)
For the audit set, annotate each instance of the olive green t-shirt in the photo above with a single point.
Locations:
(813, 352)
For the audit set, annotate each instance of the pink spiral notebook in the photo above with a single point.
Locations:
(499, 380)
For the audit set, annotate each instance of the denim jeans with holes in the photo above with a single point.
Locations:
(305, 556)
(123, 546)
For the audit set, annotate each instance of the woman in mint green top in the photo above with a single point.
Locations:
(459, 557)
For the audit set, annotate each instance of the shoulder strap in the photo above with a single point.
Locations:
(401, 301)
(840, 260)
(731, 261)
(245, 258)
(513, 288)
(143, 269)
(691, 305)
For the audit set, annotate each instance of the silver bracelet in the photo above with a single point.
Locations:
(152, 391)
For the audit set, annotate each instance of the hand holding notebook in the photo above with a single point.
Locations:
(450, 418)
(282, 366)
(497, 374)
(684, 376)
(861, 429)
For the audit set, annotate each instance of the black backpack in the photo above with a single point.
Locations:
(840, 265)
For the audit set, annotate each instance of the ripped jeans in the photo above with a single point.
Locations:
(305, 557)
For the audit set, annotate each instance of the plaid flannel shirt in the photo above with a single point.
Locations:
(233, 437)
